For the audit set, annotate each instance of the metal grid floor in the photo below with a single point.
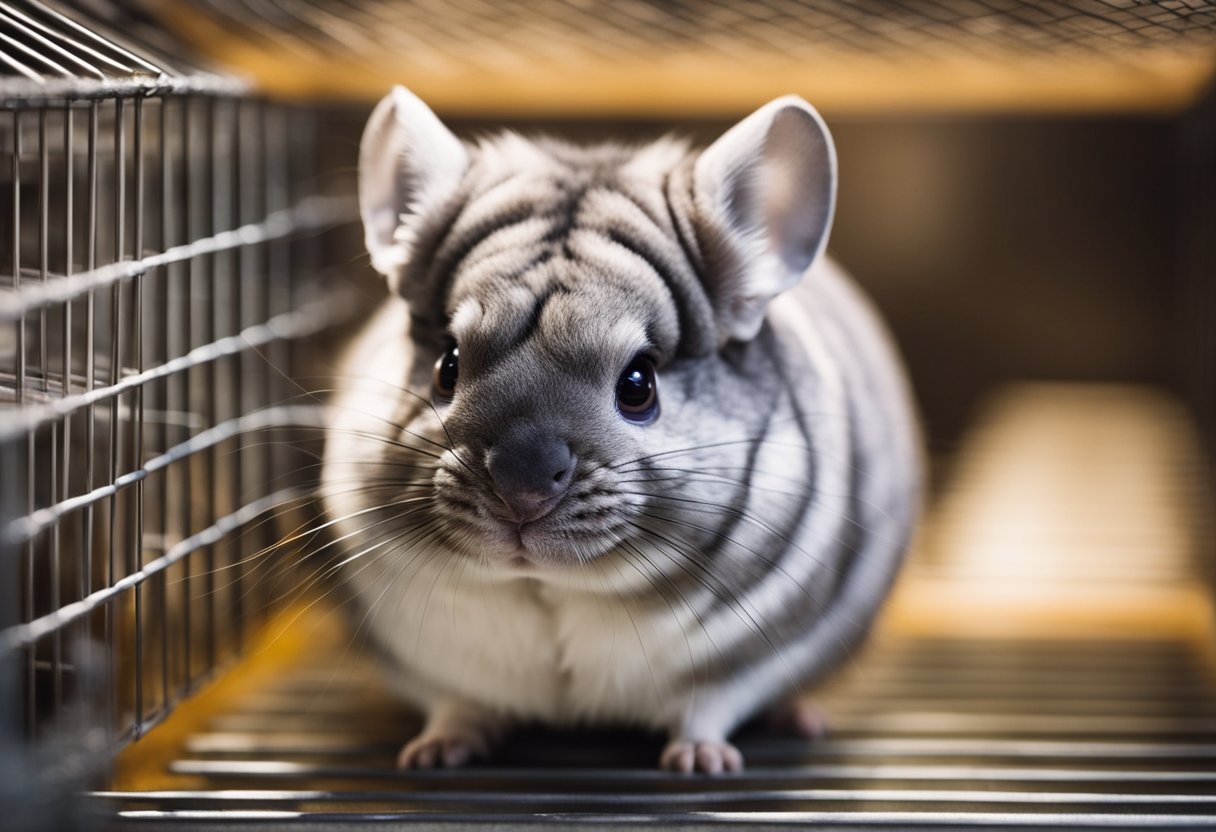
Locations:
(962, 733)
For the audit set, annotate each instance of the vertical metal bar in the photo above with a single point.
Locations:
(166, 205)
(207, 334)
(304, 250)
(301, 178)
(137, 430)
(69, 169)
(43, 227)
(44, 199)
(255, 374)
(187, 409)
(90, 356)
(27, 550)
(11, 689)
(90, 369)
(225, 320)
(116, 361)
(236, 391)
(116, 327)
(68, 253)
(16, 172)
(276, 141)
(220, 381)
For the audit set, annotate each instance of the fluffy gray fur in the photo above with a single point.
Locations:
(697, 569)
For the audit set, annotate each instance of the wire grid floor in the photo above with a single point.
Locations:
(938, 733)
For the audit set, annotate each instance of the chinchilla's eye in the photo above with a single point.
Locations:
(637, 392)
(446, 371)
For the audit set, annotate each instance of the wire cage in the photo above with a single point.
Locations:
(178, 247)
(162, 245)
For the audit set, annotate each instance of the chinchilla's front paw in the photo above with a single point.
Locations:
(456, 733)
(438, 750)
(708, 756)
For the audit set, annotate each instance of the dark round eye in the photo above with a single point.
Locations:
(637, 392)
(446, 371)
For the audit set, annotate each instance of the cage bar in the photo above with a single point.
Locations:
(148, 330)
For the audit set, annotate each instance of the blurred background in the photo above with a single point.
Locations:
(1027, 190)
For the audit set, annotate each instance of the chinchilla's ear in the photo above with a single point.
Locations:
(768, 185)
(408, 160)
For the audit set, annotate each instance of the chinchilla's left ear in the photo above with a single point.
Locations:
(769, 185)
(408, 160)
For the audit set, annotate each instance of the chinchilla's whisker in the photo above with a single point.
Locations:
(672, 586)
(710, 508)
(394, 464)
(764, 560)
(317, 394)
(686, 477)
(307, 581)
(704, 506)
(402, 481)
(685, 556)
(333, 520)
(389, 538)
(404, 546)
(710, 446)
(637, 632)
(335, 541)
(388, 440)
(451, 447)
(422, 550)
(812, 492)
(324, 597)
(295, 446)
(738, 606)
(433, 554)
(691, 553)
(297, 535)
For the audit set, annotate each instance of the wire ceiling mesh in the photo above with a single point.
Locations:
(74, 49)
(715, 57)
(558, 27)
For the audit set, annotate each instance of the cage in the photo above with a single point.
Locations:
(1027, 191)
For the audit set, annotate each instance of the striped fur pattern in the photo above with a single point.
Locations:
(697, 569)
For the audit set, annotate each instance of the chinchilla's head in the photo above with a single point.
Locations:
(588, 371)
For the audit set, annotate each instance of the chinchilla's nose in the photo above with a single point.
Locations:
(531, 469)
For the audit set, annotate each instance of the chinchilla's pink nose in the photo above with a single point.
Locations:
(531, 469)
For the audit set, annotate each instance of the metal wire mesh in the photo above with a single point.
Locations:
(73, 49)
(160, 240)
(561, 27)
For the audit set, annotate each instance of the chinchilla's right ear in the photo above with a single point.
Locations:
(408, 160)
(768, 185)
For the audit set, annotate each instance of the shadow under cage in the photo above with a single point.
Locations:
(179, 251)
(163, 245)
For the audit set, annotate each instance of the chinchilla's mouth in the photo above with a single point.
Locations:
(554, 539)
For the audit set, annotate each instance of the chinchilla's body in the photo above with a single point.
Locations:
(598, 459)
